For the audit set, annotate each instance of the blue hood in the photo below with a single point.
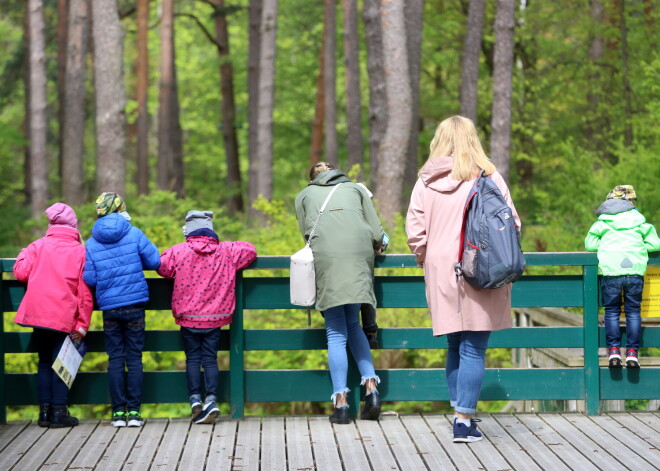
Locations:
(111, 228)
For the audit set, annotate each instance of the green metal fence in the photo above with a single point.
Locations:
(240, 385)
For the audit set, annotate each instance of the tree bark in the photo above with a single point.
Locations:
(37, 131)
(62, 25)
(500, 139)
(228, 111)
(142, 73)
(394, 146)
(625, 77)
(73, 123)
(471, 52)
(353, 102)
(414, 13)
(253, 100)
(595, 123)
(377, 89)
(266, 99)
(108, 36)
(316, 147)
(329, 81)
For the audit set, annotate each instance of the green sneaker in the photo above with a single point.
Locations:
(119, 419)
(135, 419)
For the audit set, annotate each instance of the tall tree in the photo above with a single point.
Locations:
(394, 146)
(329, 81)
(142, 76)
(228, 111)
(471, 52)
(377, 89)
(625, 77)
(500, 138)
(37, 130)
(73, 116)
(316, 146)
(62, 25)
(353, 102)
(266, 99)
(254, 49)
(108, 38)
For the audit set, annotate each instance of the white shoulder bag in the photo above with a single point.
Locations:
(302, 276)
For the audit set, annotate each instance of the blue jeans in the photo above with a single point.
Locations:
(342, 326)
(201, 347)
(123, 330)
(611, 288)
(52, 390)
(466, 363)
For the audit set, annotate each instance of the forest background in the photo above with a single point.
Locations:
(223, 106)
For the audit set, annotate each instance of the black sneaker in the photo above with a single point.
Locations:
(208, 414)
(465, 434)
(340, 416)
(60, 418)
(371, 409)
(135, 419)
(44, 415)
(119, 419)
(614, 360)
(632, 358)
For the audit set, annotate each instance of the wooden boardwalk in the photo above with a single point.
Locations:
(566, 441)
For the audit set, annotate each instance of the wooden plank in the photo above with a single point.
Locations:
(461, 456)
(641, 438)
(299, 444)
(169, 451)
(512, 452)
(8, 432)
(273, 445)
(528, 441)
(376, 445)
(402, 446)
(582, 440)
(42, 448)
(651, 420)
(559, 439)
(118, 449)
(67, 450)
(146, 446)
(326, 455)
(248, 440)
(221, 451)
(197, 444)
(428, 446)
(94, 447)
(350, 446)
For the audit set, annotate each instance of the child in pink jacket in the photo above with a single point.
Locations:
(203, 300)
(57, 303)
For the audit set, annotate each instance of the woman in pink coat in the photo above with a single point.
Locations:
(57, 303)
(465, 314)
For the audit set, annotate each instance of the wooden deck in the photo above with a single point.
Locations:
(566, 441)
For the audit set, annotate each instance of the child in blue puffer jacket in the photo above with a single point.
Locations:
(117, 254)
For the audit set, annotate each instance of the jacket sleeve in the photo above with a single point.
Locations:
(651, 240)
(416, 223)
(24, 261)
(167, 268)
(89, 274)
(371, 217)
(243, 254)
(300, 215)
(149, 253)
(85, 307)
(592, 241)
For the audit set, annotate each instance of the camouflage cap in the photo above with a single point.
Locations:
(108, 203)
(624, 192)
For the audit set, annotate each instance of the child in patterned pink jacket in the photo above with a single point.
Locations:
(203, 300)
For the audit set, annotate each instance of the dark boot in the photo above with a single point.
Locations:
(371, 409)
(44, 415)
(60, 418)
(340, 416)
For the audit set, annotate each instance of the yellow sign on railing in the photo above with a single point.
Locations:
(651, 295)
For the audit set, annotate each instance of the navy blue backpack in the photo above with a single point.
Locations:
(489, 254)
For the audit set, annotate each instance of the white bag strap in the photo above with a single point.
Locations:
(325, 203)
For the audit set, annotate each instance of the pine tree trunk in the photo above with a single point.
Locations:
(228, 111)
(625, 77)
(353, 102)
(266, 99)
(142, 73)
(316, 146)
(329, 81)
(108, 38)
(73, 123)
(500, 138)
(254, 49)
(37, 131)
(62, 21)
(394, 146)
(377, 89)
(471, 53)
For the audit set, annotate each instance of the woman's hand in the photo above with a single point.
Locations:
(76, 336)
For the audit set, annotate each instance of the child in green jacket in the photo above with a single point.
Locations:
(623, 239)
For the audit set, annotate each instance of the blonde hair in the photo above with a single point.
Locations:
(457, 137)
(319, 167)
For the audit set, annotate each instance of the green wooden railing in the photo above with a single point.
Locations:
(240, 385)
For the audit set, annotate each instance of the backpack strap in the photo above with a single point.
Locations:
(327, 198)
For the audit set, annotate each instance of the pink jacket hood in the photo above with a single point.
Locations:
(436, 175)
(202, 245)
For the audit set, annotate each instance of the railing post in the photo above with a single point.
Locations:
(3, 391)
(591, 368)
(237, 354)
